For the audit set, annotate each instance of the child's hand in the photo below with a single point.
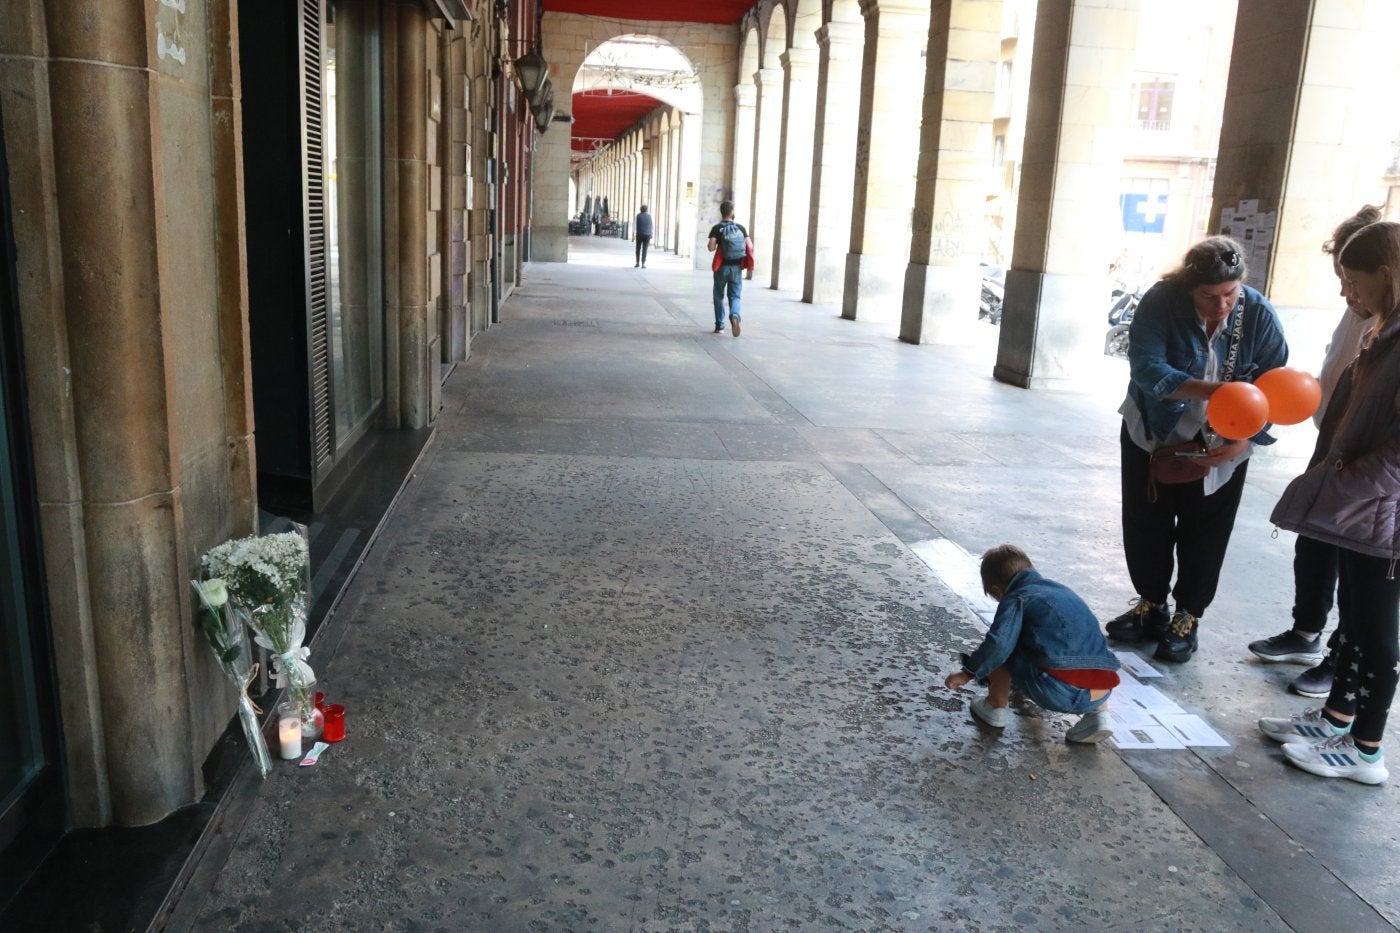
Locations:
(955, 681)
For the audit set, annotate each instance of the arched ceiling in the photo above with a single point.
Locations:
(599, 117)
(721, 12)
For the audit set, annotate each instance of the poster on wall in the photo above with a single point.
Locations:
(1254, 230)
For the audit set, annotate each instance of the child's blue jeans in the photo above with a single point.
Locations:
(1047, 691)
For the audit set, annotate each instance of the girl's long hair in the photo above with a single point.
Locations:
(1371, 248)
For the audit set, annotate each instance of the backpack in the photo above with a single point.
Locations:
(731, 241)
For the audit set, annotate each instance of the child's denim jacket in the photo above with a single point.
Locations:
(1045, 622)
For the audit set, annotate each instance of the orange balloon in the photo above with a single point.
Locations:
(1237, 410)
(1293, 394)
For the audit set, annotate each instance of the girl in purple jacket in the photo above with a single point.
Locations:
(1350, 497)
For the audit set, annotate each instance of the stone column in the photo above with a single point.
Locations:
(763, 211)
(1298, 74)
(663, 188)
(549, 241)
(1051, 326)
(678, 136)
(887, 146)
(406, 197)
(741, 178)
(691, 142)
(955, 153)
(795, 166)
(128, 226)
(833, 161)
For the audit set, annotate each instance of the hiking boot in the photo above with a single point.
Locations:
(1316, 681)
(1179, 643)
(1146, 621)
(1290, 646)
(1336, 757)
(1307, 726)
(994, 716)
(734, 324)
(1091, 728)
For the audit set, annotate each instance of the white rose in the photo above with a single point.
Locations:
(214, 592)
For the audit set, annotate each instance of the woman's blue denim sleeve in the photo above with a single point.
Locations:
(1147, 352)
(1000, 641)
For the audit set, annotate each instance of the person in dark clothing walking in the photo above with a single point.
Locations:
(643, 236)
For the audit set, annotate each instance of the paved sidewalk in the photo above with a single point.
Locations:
(649, 644)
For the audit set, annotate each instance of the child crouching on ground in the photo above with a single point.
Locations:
(1045, 642)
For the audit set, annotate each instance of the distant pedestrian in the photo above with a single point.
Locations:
(733, 251)
(1046, 643)
(643, 236)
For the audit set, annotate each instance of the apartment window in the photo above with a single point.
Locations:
(1154, 103)
(999, 150)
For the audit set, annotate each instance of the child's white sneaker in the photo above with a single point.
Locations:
(994, 716)
(1091, 728)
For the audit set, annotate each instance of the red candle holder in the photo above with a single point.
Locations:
(321, 700)
(335, 723)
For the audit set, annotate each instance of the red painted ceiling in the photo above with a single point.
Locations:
(722, 12)
(602, 116)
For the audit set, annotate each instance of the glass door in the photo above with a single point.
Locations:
(31, 793)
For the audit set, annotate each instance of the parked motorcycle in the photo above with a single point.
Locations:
(993, 292)
(1120, 318)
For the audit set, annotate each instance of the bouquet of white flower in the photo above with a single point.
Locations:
(227, 637)
(266, 580)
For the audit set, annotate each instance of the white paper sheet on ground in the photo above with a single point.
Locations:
(1134, 664)
(1135, 694)
(1126, 716)
(1146, 737)
(1192, 730)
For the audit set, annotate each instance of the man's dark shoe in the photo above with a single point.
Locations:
(1316, 681)
(734, 325)
(719, 328)
(1180, 641)
(1146, 621)
(1289, 646)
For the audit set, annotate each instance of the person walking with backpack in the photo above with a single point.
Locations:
(733, 251)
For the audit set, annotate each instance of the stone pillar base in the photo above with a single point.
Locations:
(940, 304)
(828, 277)
(874, 288)
(1052, 329)
(550, 244)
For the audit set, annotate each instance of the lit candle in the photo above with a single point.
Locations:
(289, 735)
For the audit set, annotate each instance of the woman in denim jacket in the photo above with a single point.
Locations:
(1350, 497)
(1180, 352)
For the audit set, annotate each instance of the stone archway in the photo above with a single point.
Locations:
(569, 39)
